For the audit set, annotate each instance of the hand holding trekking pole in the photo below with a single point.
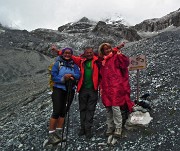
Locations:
(68, 77)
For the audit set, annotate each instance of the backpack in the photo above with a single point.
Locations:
(51, 82)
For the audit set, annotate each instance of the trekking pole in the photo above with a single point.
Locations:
(69, 89)
(69, 95)
(137, 85)
(99, 95)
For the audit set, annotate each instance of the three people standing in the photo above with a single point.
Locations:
(110, 69)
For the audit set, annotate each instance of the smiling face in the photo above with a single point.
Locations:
(88, 53)
(67, 54)
(107, 50)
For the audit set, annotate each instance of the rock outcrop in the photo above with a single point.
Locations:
(100, 30)
(76, 35)
(172, 19)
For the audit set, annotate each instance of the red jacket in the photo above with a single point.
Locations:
(95, 77)
(114, 84)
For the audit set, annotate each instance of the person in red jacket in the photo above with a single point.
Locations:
(114, 86)
(87, 88)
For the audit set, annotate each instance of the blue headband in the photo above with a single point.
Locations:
(63, 50)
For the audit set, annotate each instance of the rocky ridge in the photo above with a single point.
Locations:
(156, 24)
(76, 35)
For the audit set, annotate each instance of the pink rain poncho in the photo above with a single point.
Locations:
(114, 84)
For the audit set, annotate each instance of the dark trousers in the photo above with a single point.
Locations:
(87, 105)
(59, 99)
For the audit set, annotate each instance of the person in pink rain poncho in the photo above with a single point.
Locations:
(114, 86)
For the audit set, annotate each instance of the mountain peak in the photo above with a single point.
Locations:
(84, 19)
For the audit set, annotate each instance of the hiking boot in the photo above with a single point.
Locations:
(118, 132)
(88, 134)
(110, 131)
(59, 133)
(53, 138)
(81, 132)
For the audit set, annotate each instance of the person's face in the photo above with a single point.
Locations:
(88, 53)
(107, 50)
(67, 54)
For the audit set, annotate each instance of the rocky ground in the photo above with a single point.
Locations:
(26, 106)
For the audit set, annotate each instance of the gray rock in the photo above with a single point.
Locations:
(172, 19)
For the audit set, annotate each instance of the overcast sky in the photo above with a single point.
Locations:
(33, 14)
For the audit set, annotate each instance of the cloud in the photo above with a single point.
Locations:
(32, 14)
